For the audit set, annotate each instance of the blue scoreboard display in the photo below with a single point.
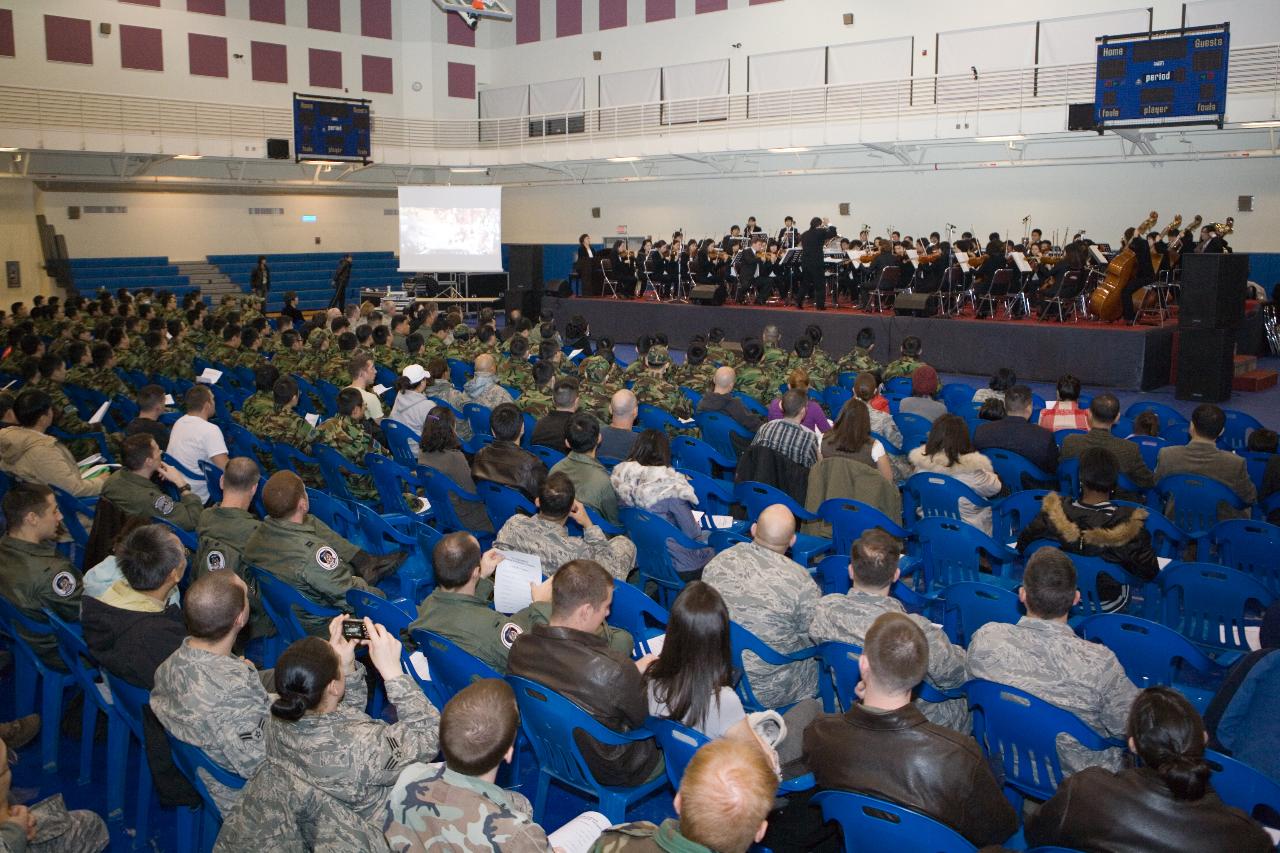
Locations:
(331, 128)
(1172, 77)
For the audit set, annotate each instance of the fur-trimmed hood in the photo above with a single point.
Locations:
(1123, 528)
(968, 463)
(645, 485)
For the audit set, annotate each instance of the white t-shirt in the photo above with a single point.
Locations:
(192, 440)
(372, 405)
(877, 450)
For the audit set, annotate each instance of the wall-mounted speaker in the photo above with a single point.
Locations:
(73, 212)
(847, 17)
(1244, 203)
(277, 149)
(595, 213)
(844, 208)
(104, 29)
(1080, 117)
(597, 55)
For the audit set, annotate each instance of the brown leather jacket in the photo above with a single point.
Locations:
(901, 757)
(507, 463)
(1133, 811)
(604, 682)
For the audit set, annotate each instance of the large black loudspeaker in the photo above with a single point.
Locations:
(529, 302)
(1205, 361)
(525, 266)
(915, 304)
(1081, 117)
(1213, 290)
(277, 149)
(707, 294)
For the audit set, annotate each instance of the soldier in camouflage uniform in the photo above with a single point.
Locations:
(283, 425)
(53, 828)
(821, 369)
(80, 362)
(102, 376)
(176, 360)
(290, 353)
(132, 490)
(247, 354)
(66, 417)
(859, 358)
(328, 776)
(318, 344)
(905, 364)
(336, 370)
(718, 353)
(773, 597)
(262, 402)
(537, 400)
(752, 379)
(697, 372)
(226, 350)
(775, 360)
(441, 388)
(847, 618)
(653, 387)
(601, 378)
(347, 433)
(208, 697)
(223, 531)
(515, 369)
(545, 535)
(1042, 655)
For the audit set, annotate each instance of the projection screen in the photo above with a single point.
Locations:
(451, 229)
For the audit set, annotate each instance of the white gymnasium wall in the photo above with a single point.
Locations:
(1105, 199)
(20, 240)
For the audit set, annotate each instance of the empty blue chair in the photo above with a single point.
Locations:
(393, 481)
(871, 824)
(338, 515)
(501, 502)
(740, 641)
(202, 824)
(927, 495)
(1252, 547)
(378, 535)
(328, 393)
(478, 417)
(550, 721)
(719, 430)
(289, 458)
(1016, 472)
(549, 456)
(452, 668)
(1243, 787)
(1013, 513)
(832, 574)
(849, 519)
(1061, 435)
(653, 557)
(27, 668)
(952, 551)
(756, 497)
(440, 489)
(1153, 654)
(1150, 446)
(914, 429)
(401, 441)
(651, 417)
(1237, 429)
(127, 703)
(835, 397)
(638, 614)
(79, 660)
(459, 373)
(1192, 502)
(1211, 605)
(899, 385)
(969, 605)
(335, 467)
(1014, 727)
(696, 455)
(282, 601)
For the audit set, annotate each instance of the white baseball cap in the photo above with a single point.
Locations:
(415, 373)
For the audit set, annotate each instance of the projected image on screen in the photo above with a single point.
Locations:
(451, 229)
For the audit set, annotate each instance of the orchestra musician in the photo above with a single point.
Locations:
(1143, 272)
(582, 265)
(789, 234)
(751, 228)
(623, 263)
(732, 241)
(1210, 242)
(814, 267)
(747, 267)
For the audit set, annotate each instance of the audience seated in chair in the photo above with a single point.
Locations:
(134, 491)
(948, 451)
(505, 461)
(194, 439)
(1201, 456)
(814, 418)
(721, 399)
(441, 448)
(1015, 433)
(48, 826)
(483, 387)
(884, 746)
(412, 405)
(924, 384)
(1104, 411)
(550, 429)
(224, 532)
(1065, 412)
(1042, 655)
(591, 481)
(29, 454)
(151, 405)
(1241, 719)
(616, 437)
(787, 436)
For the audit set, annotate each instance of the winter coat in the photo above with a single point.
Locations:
(972, 469)
(666, 493)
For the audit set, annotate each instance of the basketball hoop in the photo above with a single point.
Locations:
(471, 11)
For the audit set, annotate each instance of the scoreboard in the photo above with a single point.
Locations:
(331, 128)
(1173, 77)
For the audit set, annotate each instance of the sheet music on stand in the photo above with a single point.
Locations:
(737, 258)
(1097, 255)
(791, 258)
(1020, 261)
(914, 257)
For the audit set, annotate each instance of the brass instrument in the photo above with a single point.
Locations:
(1222, 229)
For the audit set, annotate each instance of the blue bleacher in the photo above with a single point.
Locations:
(310, 274)
(91, 274)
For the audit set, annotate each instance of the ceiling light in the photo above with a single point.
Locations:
(323, 162)
(10, 149)
(789, 149)
(624, 159)
(1012, 137)
(469, 170)
(188, 156)
(1242, 124)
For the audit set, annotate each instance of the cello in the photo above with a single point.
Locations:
(1105, 301)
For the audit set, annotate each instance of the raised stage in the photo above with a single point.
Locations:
(1109, 355)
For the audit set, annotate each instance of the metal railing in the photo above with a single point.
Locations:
(1254, 71)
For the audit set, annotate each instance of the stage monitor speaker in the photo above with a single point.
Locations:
(560, 288)
(915, 304)
(1080, 117)
(527, 302)
(1213, 290)
(1205, 364)
(277, 149)
(708, 294)
(524, 263)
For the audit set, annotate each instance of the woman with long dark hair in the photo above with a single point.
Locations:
(949, 451)
(441, 449)
(692, 679)
(1164, 806)
(851, 436)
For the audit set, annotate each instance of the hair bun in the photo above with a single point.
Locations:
(289, 706)
(1186, 775)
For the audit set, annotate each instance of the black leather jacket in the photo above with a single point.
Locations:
(901, 757)
(602, 681)
(507, 463)
(1134, 812)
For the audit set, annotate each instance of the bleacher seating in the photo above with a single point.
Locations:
(310, 274)
(91, 274)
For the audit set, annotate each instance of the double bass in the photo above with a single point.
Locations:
(1105, 301)
(1139, 298)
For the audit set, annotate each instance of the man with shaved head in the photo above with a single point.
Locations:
(721, 399)
(483, 387)
(774, 598)
(616, 438)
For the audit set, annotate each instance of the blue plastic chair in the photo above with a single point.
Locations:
(213, 479)
(1237, 429)
(653, 558)
(898, 385)
(80, 662)
(832, 574)
(1150, 446)
(742, 640)
(27, 668)
(1243, 787)
(393, 481)
(439, 488)
(757, 497)
(1169, 416)
(1252, 547)
(451, 667)
(1061, 435)
(718, 430)
(200, 825)
(914, 429)
(679, 743)
(1088, 572)
(72, 509)
(715, 496)
(280, 599)
(501, 502)
(651, 417)
(414, 578)
(1015, 728)
(1153, 654)
(969, 605)
(289, 458)
(929, 495)
(127, 703)
(192, 476)
(836, 397)
(440, 401)
(186, 537)
(957, 397)
(638, 614)
(1016, 472)
(1195, 501)
(1210, 605)
(1167, 540)
(1010, 515)
(693, 396)
(549, 455)
(752, 404)
(328, 393)
(839, 675)
(401, 441)
(338, 515)
(850, 518)
(871, 824)
(478, 417)
(550, 721)
(696, 455)
(951, 552)
(335, 467)
(459, 373)
(241, 442)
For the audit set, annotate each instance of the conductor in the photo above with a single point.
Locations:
(811, 259)
(340, 278)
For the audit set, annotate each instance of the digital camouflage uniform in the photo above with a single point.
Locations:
(773, 597)
(902, 366)
(653, 387)
(1048, 660)
(641, 836)
(58, 830)
(433, 808)
(35, 577)
(723, 356)
(310, 557)
(441, 389)
(847, 618)
(349, 437)
(552, 543)
(223, 533)
(485, 390)
(755, 382)
(66, 417)
(218, 703)
(134, 494)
